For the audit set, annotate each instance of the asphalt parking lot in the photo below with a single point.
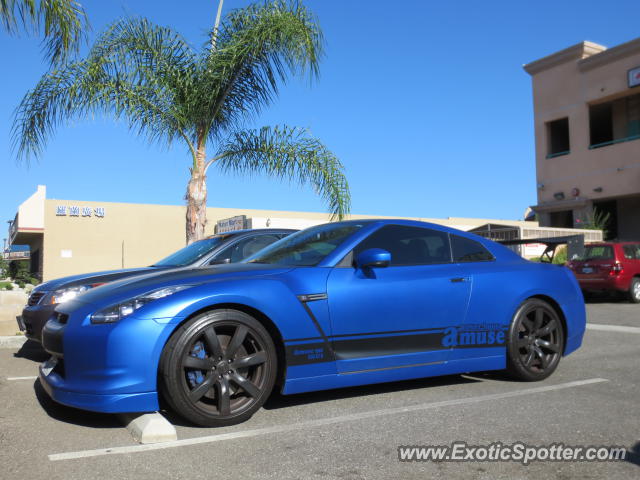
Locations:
(353, 433)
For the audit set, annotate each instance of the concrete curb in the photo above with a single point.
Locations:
(149, 428)
(12, 341)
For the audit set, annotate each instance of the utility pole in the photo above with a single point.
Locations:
(216, 25)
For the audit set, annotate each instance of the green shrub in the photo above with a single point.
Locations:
(20, 284)
(560, 258)
(34, 281)
(4, 268)
(19, 270)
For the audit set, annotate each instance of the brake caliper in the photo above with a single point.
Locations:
(196, 377)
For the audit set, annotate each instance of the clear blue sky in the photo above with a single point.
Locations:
(425, 103)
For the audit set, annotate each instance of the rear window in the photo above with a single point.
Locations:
(598, 252)
(467, 250)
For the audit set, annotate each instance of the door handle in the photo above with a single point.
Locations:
(459, 279)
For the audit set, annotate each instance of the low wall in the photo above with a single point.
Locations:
(11, 304)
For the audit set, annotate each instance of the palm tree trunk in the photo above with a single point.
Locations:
(197, 199)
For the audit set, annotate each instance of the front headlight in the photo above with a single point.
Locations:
(115, 313)
(66, 294)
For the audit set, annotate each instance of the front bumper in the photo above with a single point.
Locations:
(54, 384)
(104, 368)
(34, 318)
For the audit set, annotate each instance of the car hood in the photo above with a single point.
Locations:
(129, 287)
(94, 277)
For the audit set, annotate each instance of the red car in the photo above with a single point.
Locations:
(611, 267)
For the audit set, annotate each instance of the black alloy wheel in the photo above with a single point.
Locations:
(218, 368)
(536, 341)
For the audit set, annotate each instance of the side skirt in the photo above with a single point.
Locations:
(351, 379)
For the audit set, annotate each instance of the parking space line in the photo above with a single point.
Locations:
(22, 378)
(319, 422)
(612, 328)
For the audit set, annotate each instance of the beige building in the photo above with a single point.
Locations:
(67, 237)
(587, 136)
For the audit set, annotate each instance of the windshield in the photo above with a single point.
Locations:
(597, 252)
(191, 253)
(307, 247)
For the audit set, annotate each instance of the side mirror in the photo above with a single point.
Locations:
(373, 257)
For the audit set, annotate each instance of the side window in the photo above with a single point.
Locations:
(632, 251)
(467, 250)
(244, 248)
(409, 245)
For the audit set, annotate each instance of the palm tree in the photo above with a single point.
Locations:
(63, 23)
(168, 92)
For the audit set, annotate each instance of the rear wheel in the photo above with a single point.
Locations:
(535, 341)
(634, 290)
(218, 368)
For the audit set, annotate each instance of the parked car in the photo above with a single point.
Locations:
(217, 249)
(609, 267)
(335, 305)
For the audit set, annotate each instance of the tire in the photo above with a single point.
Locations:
(634, 290)
(535, 342)
(218, 368)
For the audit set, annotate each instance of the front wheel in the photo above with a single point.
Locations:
(218, 368)
(535, 343)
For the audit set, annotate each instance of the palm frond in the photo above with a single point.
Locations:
(135, 70)
(257, 48)
(83, 88)
(289, 153)
(63, 23)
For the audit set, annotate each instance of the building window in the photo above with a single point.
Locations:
(614, 122)
(558, 138)
(561, 219)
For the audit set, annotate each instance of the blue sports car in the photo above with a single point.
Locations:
(335, 305)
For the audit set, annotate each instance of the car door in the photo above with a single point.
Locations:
(484, 330)
(399, 315)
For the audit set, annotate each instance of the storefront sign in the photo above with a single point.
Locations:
(75, 211)
(634, 77)
(231, 224)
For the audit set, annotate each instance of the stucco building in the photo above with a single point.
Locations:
(68, 237)
(587, 136)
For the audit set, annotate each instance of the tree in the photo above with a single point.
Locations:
(62, 22)
(168, 92)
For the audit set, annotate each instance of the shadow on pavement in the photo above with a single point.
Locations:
(73, 415)
(633, 455)
(605, 297)
(32, 350)
(278, 400)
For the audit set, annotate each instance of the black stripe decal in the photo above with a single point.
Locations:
(392, 368)
(389, 332)
(307, 353)
(348, 349)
